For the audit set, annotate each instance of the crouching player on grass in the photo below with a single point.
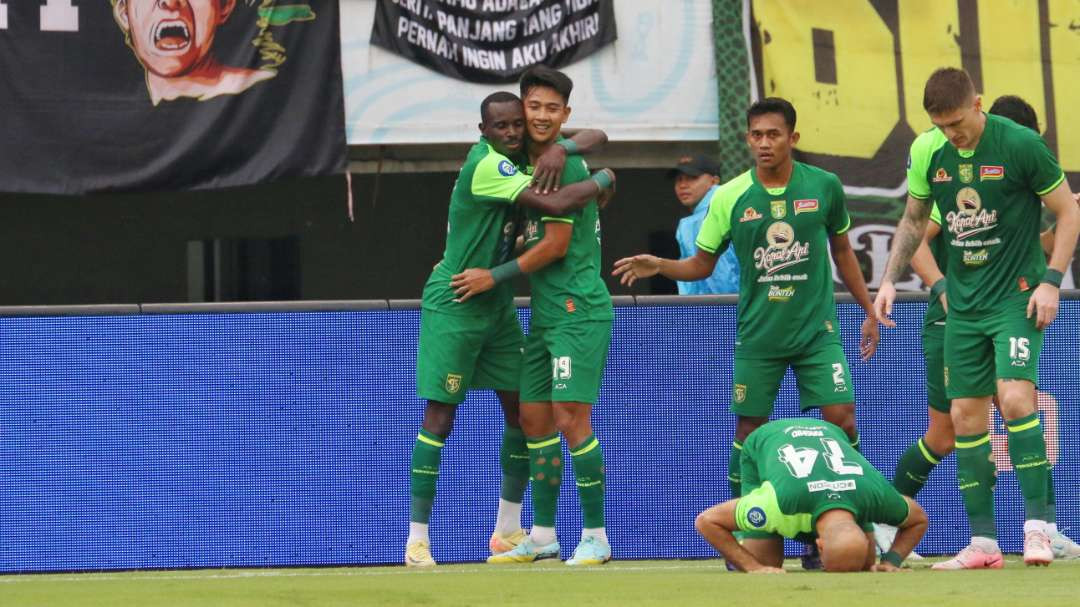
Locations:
(802, 480)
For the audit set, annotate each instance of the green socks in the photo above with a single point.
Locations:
(514, 462)
(734, 469)
(588, 461)
(914, 468)
(545, 472)
(976, 475)
(426, 454)
(1027, 449)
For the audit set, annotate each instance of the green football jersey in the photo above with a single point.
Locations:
(781, 239)
(939, 248)
(990, 207)
(480, 230)
(793, 470)
(571, 288)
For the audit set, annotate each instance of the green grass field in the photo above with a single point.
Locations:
(660, 583)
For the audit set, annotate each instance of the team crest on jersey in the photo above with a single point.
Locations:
(941, 176)
(750, 214)
(971, 218)
(806, 206)
(966, 172)
(778, 209)
(783, 250)
(740, 393)
(453, 383)
(991, 172)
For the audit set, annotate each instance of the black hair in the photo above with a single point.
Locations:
(542, 75)
(499, 97)
(772, 105)
(1016, 109)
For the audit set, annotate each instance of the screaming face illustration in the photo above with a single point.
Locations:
(173, 40)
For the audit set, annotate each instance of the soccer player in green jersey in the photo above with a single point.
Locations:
(929, 261)
(783, 218)
(987, 174)
(803, 481)
(567, 345)
(476, 343)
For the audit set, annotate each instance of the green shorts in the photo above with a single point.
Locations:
(821, 373)
(461, 353)
(565, 363)
(978, 351)
(933, 347)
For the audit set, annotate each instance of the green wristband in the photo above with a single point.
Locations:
(602, 179)
(1052, 277)
(892, 558)
(937, 289)
(569, 146)
(505, 271)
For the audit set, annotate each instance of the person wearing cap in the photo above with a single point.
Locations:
(696, 179)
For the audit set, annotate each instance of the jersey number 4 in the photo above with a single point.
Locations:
(800, 461)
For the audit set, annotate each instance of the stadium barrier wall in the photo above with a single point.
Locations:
(250, 435)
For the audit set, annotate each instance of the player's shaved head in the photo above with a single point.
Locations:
(843, 543)
(948, 89)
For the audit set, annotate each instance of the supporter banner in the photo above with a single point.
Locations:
(493, 41)
(855, 71)
(144, 94)
(657, 82)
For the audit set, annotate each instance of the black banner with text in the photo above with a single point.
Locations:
(125, 95)
(493, 41)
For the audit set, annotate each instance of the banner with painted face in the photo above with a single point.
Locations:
(135, 95)
(856, 70)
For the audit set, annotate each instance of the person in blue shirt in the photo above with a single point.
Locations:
(696, 179)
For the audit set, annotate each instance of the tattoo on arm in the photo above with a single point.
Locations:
(907, 238)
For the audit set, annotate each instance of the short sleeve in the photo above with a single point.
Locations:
(839, 219)
(715, 230)
(496, 179)
(751, 480)
(918, 163)
(1040, 169)
(894, 510)
(935, 214)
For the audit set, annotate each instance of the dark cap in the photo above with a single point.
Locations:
(695, 166)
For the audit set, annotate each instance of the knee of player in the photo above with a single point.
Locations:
(1016, 404)
(439, 418)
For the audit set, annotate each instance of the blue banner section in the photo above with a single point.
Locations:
(283, 439)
